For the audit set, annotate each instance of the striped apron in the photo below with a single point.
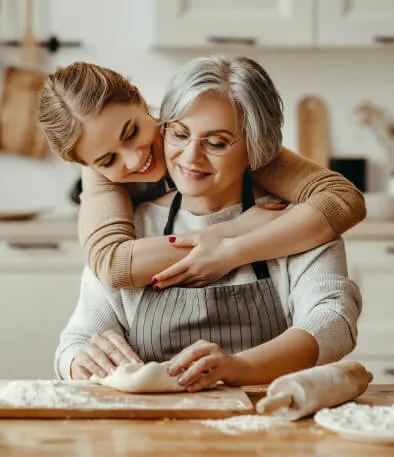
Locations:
(236, 317)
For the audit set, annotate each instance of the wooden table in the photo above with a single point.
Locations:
(99, 438)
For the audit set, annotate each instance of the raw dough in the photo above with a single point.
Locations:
(140, 378)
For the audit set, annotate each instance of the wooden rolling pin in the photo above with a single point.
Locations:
(302, 393)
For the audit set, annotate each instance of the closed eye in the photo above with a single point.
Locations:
(133, 133)
(109, 162)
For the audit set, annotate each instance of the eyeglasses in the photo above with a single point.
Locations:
(213, 144)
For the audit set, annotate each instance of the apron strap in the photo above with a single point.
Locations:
(260, 268)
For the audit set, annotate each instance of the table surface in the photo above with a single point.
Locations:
(99, 438)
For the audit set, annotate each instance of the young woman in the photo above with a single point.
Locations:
(94, 116)
(260, 321)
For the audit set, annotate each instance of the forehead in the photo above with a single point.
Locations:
(212, 112)
(100, 132)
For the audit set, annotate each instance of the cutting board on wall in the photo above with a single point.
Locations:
(313, 130)
(83, 400)
(19, 129)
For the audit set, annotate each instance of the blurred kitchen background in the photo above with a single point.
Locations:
(333, 63)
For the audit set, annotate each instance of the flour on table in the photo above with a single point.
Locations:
(353, 417)
(53, 394)
(248, 423)
(140, 378)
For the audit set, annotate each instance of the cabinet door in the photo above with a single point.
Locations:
(194, 23)
(371, 265)
(39, 288)
(355, 22)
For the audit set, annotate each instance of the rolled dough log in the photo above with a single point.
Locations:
(140, 378)
(302, 393)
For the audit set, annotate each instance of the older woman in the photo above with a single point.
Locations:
(95, 116)
(261, 320)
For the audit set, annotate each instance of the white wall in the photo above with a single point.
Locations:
(114, 34)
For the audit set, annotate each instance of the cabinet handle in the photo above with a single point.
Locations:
(388, 371)
(389, 249)
(384, 39)
(245, 41)
(33, 245)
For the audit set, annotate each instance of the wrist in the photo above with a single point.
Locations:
(239, 372)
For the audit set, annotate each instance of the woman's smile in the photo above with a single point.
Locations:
(192, 173)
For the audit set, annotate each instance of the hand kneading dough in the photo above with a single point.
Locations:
(140, 378)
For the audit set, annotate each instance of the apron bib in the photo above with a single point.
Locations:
(236, 317)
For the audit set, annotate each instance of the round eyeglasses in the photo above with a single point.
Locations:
(213, 144)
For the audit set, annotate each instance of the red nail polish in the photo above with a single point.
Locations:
(172, 239)
(154, 280)
(156, 288)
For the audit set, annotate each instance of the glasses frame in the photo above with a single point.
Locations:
(201, 142)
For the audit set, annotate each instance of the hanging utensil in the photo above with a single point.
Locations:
(30, 53)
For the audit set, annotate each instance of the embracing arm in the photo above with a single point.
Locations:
(107, 233)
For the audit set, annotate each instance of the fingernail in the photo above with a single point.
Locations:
(181, 380)
(156, 288)
(172, 239)
(103, 374)
(154, 280)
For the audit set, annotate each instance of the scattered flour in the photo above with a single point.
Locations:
(353, 417)
(242, 424)
(53, 394)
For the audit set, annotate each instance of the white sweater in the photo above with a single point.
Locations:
(313, 287)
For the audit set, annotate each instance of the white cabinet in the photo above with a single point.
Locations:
(355, 22)
(371, 265)
(182, 24)
(39, 287)
(195, 23)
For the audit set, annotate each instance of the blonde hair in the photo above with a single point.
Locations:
(247, 85)
(71, 95)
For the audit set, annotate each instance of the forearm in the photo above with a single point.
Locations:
(297, 230)
(294, 350)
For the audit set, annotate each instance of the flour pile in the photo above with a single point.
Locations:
(353, 417)
(242, 424)
(52, 394)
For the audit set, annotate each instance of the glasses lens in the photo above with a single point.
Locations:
(176, 138)
(215, 146)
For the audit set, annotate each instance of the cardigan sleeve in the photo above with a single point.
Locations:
(299, 180)
(105, 228)
(323, 301)
(96, 312)
(107, 233)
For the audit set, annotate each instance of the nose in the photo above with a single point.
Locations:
(133, 159)
(193, 151)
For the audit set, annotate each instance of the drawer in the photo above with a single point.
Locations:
(33, 256)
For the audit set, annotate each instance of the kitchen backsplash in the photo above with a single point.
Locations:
(342, 78)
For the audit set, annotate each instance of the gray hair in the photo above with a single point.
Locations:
(246, 84)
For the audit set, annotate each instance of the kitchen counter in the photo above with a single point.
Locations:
(42, 229)
(98, 438)
(66, 229)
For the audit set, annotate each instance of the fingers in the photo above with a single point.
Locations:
(191, 354)
(167, 276)
(90, 359)
(205, 381)
(79, 373)
(127, 353)
(200, 369)
(273, 206)
(183, 241)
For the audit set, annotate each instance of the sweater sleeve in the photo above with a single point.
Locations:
(105, 228)
(299, 180)
(93, 314)
(323, 301)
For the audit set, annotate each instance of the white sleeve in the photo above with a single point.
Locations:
(93, 314)
(324, 301)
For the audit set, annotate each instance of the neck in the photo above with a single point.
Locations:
(211, 204)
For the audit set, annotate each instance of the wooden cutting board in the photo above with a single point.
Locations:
(313, 132)
(81, 400)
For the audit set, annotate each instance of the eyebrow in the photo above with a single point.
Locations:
(122, 134)
(210, 132)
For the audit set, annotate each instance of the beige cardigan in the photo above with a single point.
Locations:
(106, 229)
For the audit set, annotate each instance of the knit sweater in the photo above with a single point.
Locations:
(313, 287)
(107, 233)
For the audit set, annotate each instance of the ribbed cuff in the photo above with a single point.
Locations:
(121, 266)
